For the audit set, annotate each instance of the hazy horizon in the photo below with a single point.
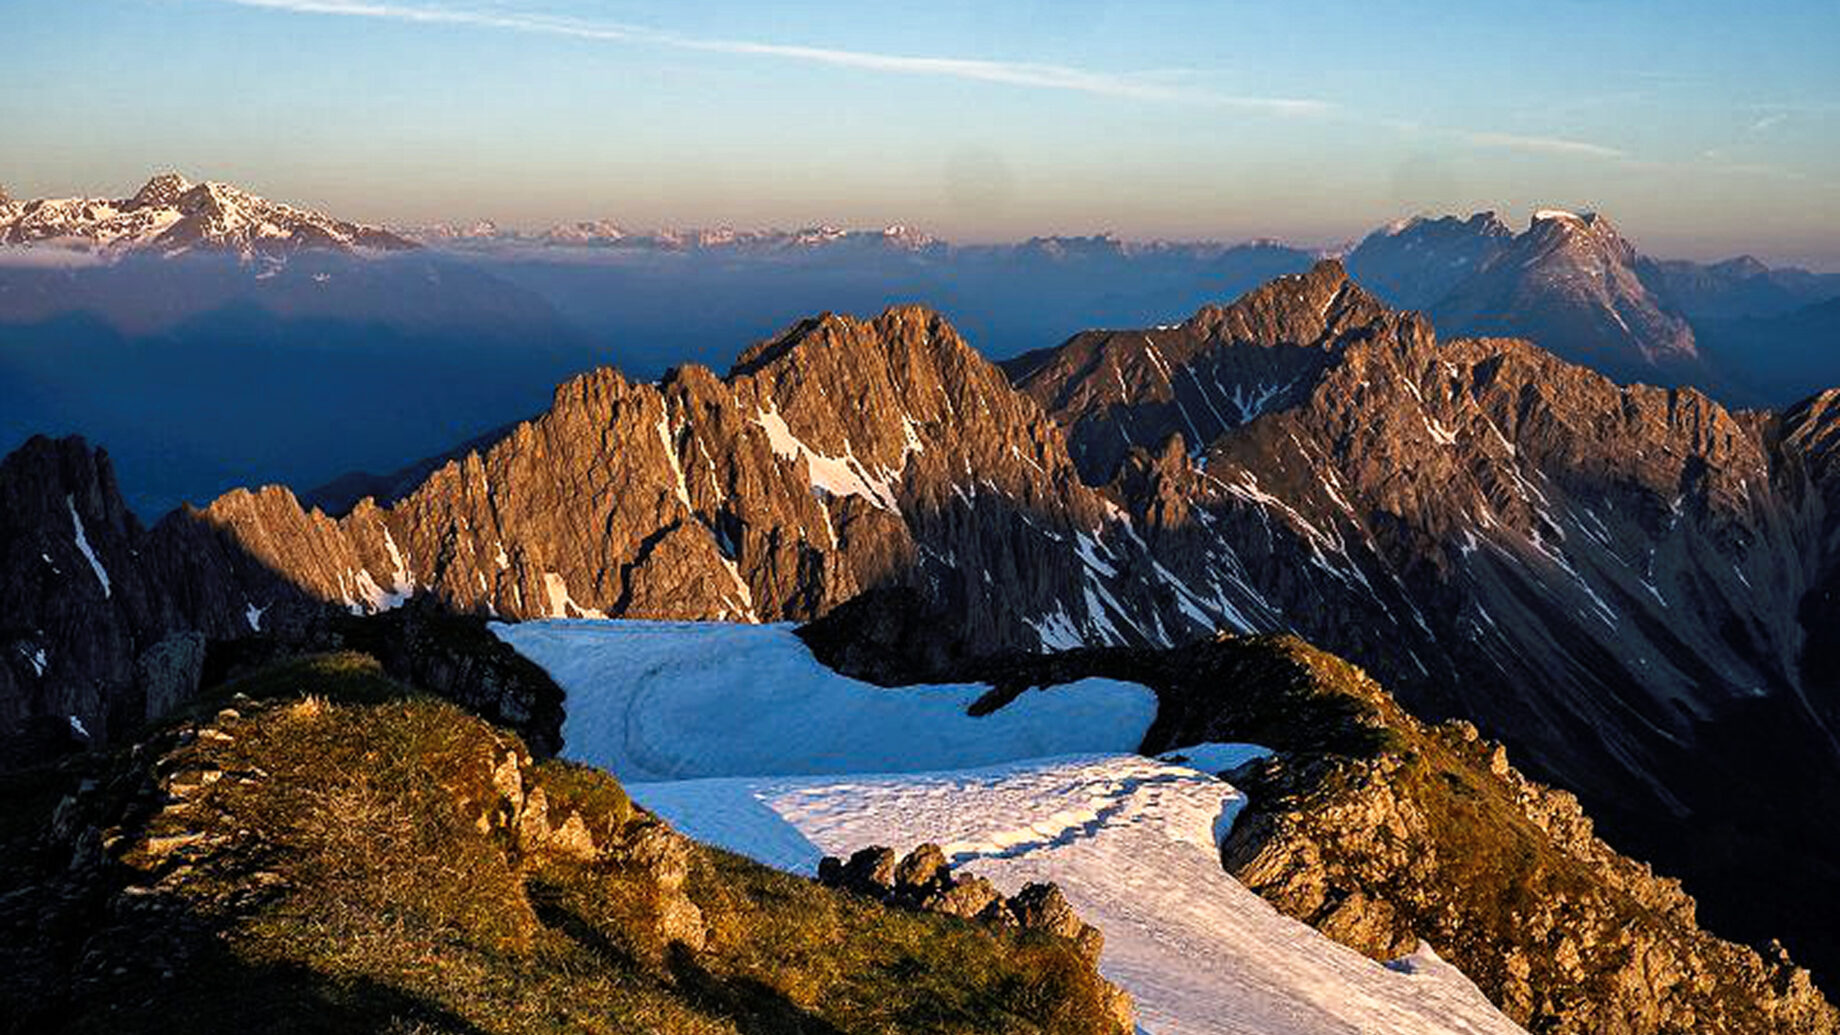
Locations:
(1704, 135)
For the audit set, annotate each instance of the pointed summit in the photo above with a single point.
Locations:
(1216, 371)
(1555, 214)
(160, 191)
(1314, 287)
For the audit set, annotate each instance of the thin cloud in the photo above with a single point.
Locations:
(1010, 73)
(1769, 120)
(1544, 145)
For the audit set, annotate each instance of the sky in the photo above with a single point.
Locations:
(1702, 129)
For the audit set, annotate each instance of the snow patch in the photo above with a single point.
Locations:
(1134, 845)
(1440, 433)
(1088, 548)
(561, 604)
(674, 700)
(838, 476)
(1056, 630)
(1215, 757)
(401, 578)
(83, 546)
(677, 469)
(1254, 402)
(37, 658)
(823, 764)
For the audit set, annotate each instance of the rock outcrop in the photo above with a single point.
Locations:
(922, 879)
(1437, 837)
(1382, 831)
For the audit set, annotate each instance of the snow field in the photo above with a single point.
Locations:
(739, 738)
(657, 701)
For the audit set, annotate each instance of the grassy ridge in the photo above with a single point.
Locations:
(335, 852)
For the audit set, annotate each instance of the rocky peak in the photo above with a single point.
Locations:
(1486, 224)
(900, 235)
(1741, 266)
(162, 190)
(216, 199)
(1813, 427)
(1292, 310)
(1570, 282)
(1555, 232)
(1219, 370)
(81, 611)
(1417, 262)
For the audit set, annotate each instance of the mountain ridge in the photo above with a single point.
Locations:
(1456, 516)
(171, 215)
(1569, 281)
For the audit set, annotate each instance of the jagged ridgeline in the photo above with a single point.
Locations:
(1628, 585)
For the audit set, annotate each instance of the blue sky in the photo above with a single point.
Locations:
(1703, 129)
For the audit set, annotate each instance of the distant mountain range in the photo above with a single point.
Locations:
(1572, 283)
(605, 233)
(215, 338)
(304, 324)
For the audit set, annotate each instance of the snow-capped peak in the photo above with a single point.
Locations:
(902, 235)
(163, 189)
(171, 215)
(1554, 213)
(606, 233)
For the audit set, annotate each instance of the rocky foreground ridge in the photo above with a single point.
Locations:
(1380, 830)
(331, 851)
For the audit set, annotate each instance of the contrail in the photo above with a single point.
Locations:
(1544, 145)
(1026, 74)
